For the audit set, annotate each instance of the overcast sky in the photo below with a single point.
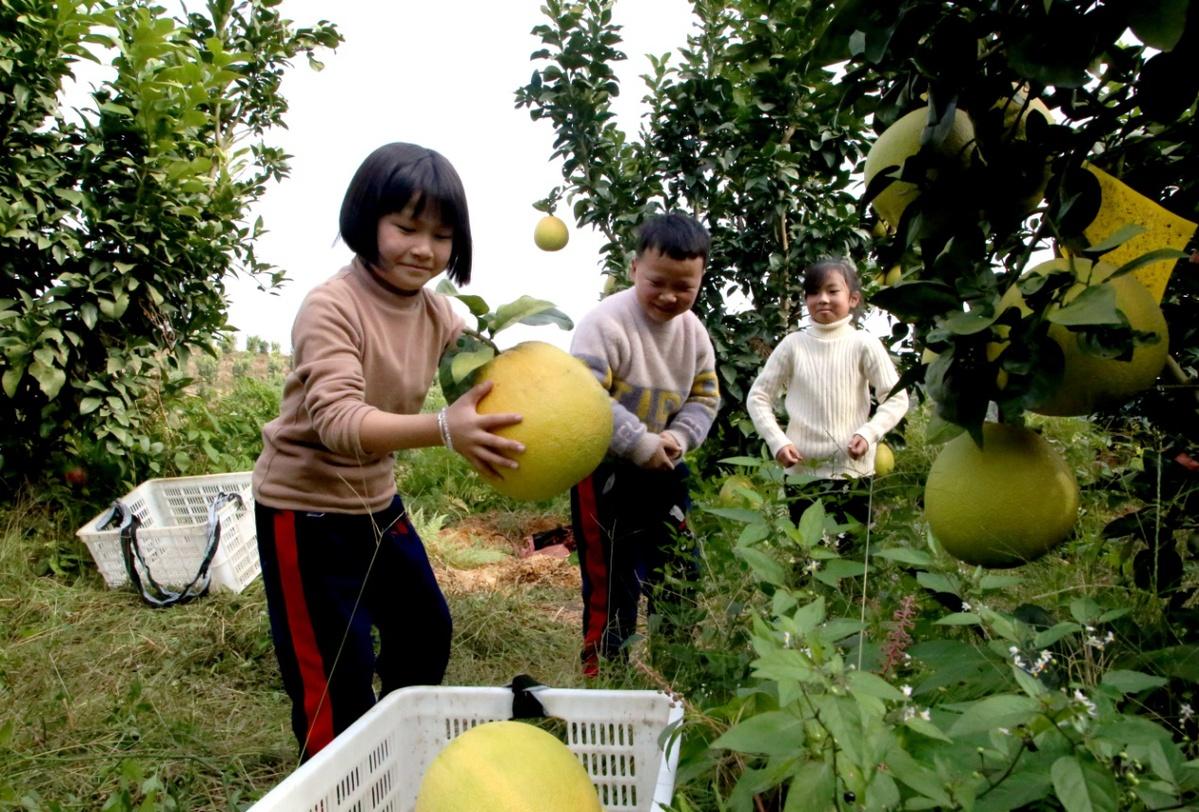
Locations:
(443, 75)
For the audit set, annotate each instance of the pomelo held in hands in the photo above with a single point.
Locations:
(1001, 505)
(506, 767)
(550, 234)
(566, 421)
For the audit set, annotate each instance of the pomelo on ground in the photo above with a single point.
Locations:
(731, 495)
(1001, 505)
(506, 767)
(901, 141)
(550, 233)
(1090, 382)
(566, 421)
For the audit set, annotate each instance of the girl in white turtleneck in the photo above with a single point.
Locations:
(827, 368)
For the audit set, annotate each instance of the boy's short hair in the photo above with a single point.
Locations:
(675, 235)
(387, 181)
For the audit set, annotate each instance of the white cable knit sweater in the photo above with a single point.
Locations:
(827, 371)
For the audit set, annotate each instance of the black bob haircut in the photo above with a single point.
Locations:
(815, 275)
(386, 182)
(674, 235)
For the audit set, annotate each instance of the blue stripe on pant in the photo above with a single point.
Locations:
(323, 606)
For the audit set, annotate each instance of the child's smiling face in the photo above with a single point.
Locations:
(412, 249)
(666, 287)
(833, 300)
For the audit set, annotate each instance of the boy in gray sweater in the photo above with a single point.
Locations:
(655, 359)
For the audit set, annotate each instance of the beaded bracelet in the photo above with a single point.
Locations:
(443, 426)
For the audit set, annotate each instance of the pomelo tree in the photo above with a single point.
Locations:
(121, 220)
(745, 129)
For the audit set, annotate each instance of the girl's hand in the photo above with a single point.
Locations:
(788, 455)
(858, 446)
(472, 433)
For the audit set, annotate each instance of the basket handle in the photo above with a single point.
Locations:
(150, 590)
(524, 704)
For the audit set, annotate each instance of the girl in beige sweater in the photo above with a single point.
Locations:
(339, 554)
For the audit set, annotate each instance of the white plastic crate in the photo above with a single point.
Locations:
(174, 532)
(376, 764)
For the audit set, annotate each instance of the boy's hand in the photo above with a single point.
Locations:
(473, 437)
(858, 446)
(671, 445)
(660, 460)
(788, 455)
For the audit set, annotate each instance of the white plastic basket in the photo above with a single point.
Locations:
(174, 532)
(376, 764)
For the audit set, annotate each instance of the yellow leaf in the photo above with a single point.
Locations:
(1122, 206)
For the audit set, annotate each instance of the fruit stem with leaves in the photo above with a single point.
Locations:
(475, 347)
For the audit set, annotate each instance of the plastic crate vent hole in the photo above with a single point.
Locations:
(347, 785)
(378, 757)
(380, 791)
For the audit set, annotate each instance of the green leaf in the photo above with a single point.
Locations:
(1083, 790)
(1120, 236)
(937, 582)
(808, 617)
(959, 619)
(906, 555)
(524, 308)
(864, 682)
(811, 788)
(12, 377)
(1049, 636)
(763, 565)
(1000, 710)
(774, 733)
(465, 363)
(920, 778)
(89, 405)
(811, 524)
(49, 378)
(1095, 305)
(1131, 682)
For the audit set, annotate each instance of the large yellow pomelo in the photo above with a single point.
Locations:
(506, 767)
(1004, 504)
(550, 233)
(567, 418)
(1090, 382)
(899, 142)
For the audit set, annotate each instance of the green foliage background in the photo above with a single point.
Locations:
(120, 222)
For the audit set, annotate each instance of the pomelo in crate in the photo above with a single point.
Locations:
(566, 423)
(506, 767)
(1003, 504)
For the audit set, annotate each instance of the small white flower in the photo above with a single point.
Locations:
(813, 566)
(1081, 698)
(907, 690)
(925, 715)
(1004, 731)
(786, 639)
(966, 606)
(1185, 712)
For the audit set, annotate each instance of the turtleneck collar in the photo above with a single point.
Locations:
(830, 330)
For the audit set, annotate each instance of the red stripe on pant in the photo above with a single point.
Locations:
(317, 708)
(595, 562)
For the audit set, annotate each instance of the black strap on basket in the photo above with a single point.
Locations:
(150, 590)
(525, 705)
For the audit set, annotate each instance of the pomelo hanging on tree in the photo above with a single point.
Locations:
(1004, 504)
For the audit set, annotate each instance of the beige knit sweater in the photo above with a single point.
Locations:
(662, 377)
(357, 347)
(826, 373)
